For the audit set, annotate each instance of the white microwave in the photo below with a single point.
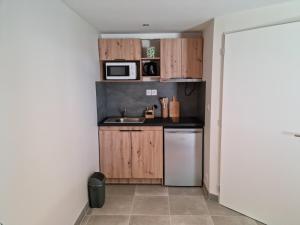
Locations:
(120, 70)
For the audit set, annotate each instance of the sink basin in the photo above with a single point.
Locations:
(125, 120)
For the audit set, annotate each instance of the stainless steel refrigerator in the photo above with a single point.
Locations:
(183, 156)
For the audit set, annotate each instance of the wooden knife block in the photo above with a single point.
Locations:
(164, 107)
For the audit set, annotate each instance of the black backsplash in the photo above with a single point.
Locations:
(112, 98)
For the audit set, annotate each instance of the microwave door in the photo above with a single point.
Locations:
(117, 72)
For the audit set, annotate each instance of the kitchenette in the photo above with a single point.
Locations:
(151, 109)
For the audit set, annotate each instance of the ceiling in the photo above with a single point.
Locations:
(127, 16)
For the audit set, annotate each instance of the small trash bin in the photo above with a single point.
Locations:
(96, 190)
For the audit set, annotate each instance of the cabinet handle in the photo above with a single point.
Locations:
(130, 130)
(119, 59)
(297, 135)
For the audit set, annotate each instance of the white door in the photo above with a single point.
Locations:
(260, 147)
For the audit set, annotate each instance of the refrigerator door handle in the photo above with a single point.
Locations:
(183, 132)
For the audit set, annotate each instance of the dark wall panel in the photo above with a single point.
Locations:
(112, 98)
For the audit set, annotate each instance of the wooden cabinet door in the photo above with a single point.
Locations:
(115, 153)
(147, 153)
(131, 49)
(120, 49)
(191, 57)
(170, 58)
(110, 49)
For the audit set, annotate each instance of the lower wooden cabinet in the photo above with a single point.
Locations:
(115, 153)
(134, 152)
(146, 154)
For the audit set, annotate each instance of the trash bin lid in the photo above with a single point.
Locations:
(96, 179)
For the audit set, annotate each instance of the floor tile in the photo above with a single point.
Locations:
(149, 220)
(150, 205)
(233, 220)
(156, 190)
(85, 220)
(108, 220)
(259, 223)
(190, 191)
(120, 205)
(121, 189)
(215, 208)
(191, 220)
(187, 205)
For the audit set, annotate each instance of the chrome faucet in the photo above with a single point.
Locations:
(124, 111)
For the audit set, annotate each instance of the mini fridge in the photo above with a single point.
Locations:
(183, 154)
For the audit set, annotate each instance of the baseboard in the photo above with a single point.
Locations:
(82, 214)
(209, 195)
(133, 181)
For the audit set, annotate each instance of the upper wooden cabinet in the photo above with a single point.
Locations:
(170, 58)
(120, 49)
(181, 58)
(191, 57)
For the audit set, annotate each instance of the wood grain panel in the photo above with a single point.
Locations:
(119, 49)
(131, 49)
(110, 49)
(170, 62)
(191, 57)
(115, 153)
(147, 154)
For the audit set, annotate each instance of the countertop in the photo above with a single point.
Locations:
(182, 122)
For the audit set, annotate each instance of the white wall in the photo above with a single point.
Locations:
(248, 19)
(48, 133)
(208, 35)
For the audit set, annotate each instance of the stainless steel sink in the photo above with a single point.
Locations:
(125, 120)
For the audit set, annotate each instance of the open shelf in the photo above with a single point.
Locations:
(142, 72)
(146, 43)
(155, 58)
(151, 78)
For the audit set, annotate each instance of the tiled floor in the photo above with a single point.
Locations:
(157, 205)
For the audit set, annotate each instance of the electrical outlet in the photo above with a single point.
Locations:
(154, 92)
(148, 92)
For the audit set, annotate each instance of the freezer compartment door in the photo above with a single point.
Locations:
(183, 157)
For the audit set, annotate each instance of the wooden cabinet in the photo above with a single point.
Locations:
(181, 58)
(170, 58)
(115, 153)
(134, 152)
(147, 154)
(120, 49)
(191, 57)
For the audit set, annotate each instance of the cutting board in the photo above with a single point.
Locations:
(174, 108)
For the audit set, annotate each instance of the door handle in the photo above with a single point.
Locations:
(183, 132)
(130, 130)
(291, 133)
